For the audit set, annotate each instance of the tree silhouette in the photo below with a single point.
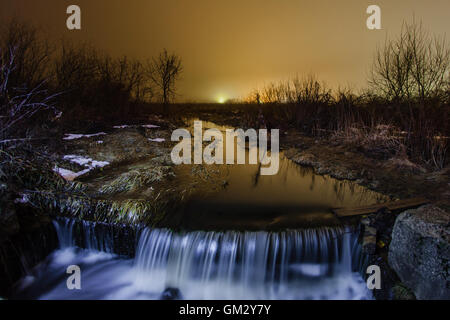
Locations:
(415, 65)
(164, 71)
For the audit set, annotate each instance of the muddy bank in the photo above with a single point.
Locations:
(397, 178)
(121, 175)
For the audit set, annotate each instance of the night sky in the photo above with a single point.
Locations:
(232, 46)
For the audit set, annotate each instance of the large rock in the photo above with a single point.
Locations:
(420, 251)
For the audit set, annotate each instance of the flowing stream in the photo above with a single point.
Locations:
(319, 263)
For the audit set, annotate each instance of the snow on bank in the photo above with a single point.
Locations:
(99, 164)
(89, 163)
(69, 175)
(77, 159)
(25, 198)
(75, 136)
(147, 126)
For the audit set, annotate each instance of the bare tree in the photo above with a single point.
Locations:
(304, 90)
(18, 104)
(24, 76)
(164, 71)
(32, 53)
(75, 66)
(308, 90)
(414, 65)
(130, 72)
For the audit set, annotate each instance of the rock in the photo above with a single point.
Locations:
(171, 294)
(420, 251)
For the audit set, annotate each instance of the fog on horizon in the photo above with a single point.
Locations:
(231, 47)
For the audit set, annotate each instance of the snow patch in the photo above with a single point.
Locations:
(82, 161)
(77, 159)
(25, 198)
(69, 175)
(75, 136)
(157, 140)
(150, 126)
(99, 164)
(86, 162)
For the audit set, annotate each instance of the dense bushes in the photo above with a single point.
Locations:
(418, 129)
(96, 84)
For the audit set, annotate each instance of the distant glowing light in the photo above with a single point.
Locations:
(221, 100)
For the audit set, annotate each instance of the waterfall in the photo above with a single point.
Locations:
(97, 241)
(64, 230)
(95, 236)
(320, 263)
(243, 264)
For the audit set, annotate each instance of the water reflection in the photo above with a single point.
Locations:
(238, 197)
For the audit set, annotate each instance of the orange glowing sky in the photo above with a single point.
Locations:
(232, 46)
